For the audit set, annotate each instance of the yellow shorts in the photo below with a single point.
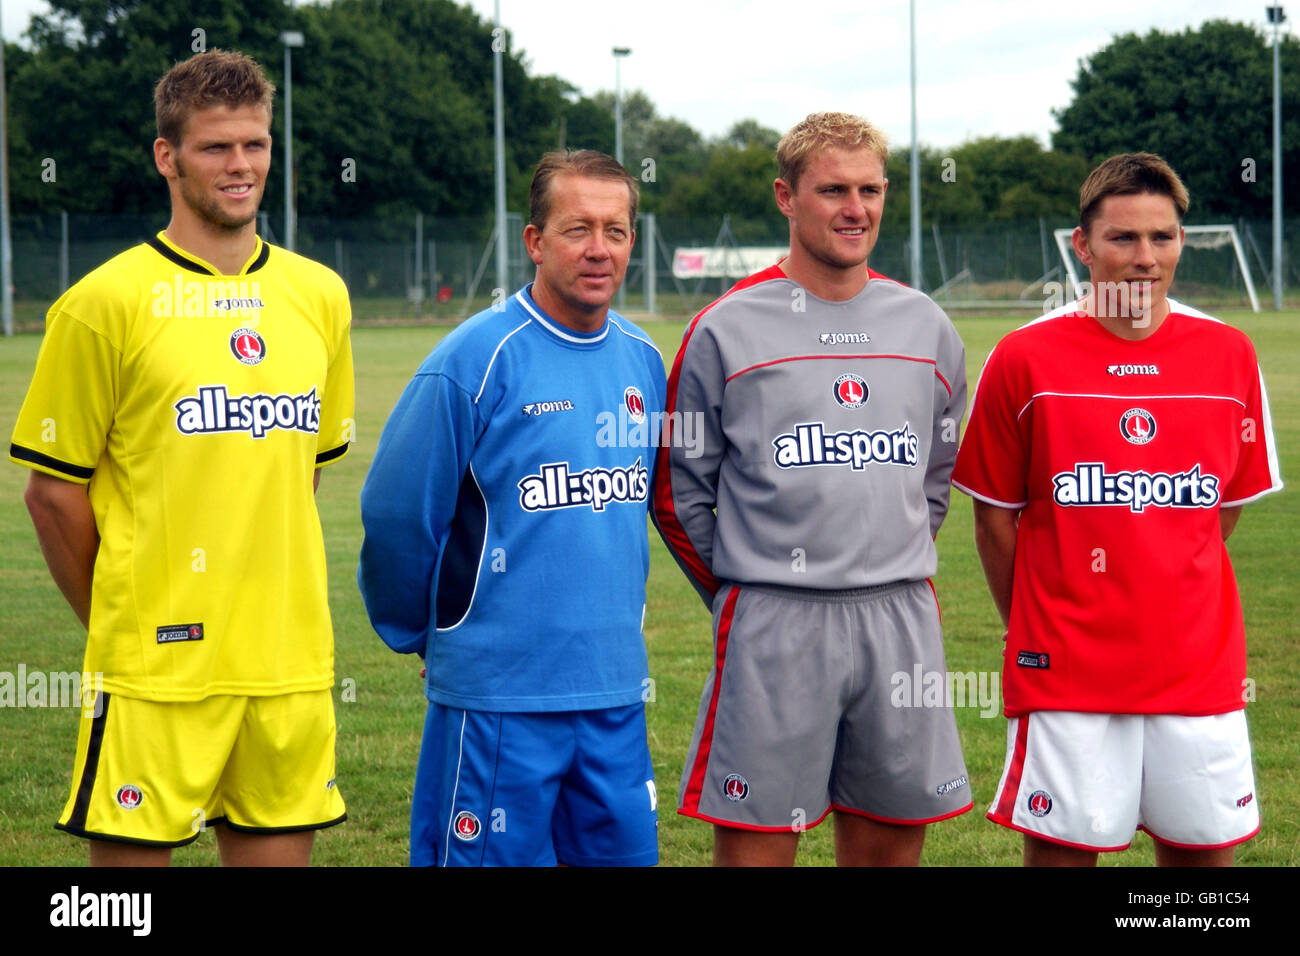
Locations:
(159, 773)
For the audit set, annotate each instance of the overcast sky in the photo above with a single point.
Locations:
(984, 67)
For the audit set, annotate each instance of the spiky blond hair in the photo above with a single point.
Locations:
(820, 131)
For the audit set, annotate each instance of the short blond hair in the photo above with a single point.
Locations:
(214, 78)
(1129, 174)
(820, 131)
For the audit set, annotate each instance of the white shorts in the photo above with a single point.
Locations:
(1091, 780)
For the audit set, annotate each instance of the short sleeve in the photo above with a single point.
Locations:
(1258, 472)
(337, 424)
(993, 461)
(65, 420)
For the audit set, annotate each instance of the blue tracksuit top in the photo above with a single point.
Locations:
(505, 513)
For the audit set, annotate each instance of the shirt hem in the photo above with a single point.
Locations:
(182, 696)
(533, 705)
(1238, 502)
(1211, 711)
(996, 502)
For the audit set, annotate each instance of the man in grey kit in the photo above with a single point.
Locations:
(828, 399)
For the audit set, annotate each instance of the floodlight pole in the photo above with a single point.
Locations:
(290, 38)
(499, 132)
(916, 168)
(619, 53)
(6, 245)
(1277, 17)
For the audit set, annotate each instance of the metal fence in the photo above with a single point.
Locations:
(443, 269)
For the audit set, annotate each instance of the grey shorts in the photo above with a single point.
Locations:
(798, 719)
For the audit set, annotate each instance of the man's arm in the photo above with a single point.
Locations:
(65, 528)
(950, 406)
(336, 426)
(995, 540)
(1257, 471)
(686, 477)
(1228, 519)
(408, 502)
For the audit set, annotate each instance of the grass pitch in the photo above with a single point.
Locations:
(378, 695)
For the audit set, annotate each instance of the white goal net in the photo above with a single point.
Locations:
(1212, 271)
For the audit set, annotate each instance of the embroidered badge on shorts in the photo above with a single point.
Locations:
(466, 826)
(129, 796)
(735, 787)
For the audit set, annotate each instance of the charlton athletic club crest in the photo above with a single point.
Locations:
(851, 390)
(1137, 426)
(1040, 803)
(129, 796)
(247, 346)
(635, 403)
(735, 787)
(466, 826)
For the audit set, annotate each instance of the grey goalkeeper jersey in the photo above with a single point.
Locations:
(810, 442)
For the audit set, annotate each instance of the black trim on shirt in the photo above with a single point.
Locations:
(170, 254)
(45, 461)
(261, 258)
(331, 454)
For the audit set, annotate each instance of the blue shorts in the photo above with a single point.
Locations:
(534, 789)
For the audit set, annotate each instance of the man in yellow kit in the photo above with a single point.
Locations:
(185, 396)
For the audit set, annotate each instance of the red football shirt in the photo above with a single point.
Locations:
(1119, 455)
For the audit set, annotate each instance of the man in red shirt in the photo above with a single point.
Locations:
(1111, 446)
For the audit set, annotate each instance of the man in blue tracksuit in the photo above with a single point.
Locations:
(505, 542)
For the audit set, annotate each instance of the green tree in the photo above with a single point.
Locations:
(750, 132)
(393, 103)
(992, 178)
(83, 96)
(735, 181)
(1016, 178)
(586, 124)
(417, 137)
(664, 153)
(639, 115)
(1203, 100)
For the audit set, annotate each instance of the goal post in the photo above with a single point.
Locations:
(1197, 237)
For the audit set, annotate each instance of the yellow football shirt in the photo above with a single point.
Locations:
(197, 406)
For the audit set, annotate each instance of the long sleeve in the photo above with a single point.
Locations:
(950, 406)
(686, 483)
(408, 503)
